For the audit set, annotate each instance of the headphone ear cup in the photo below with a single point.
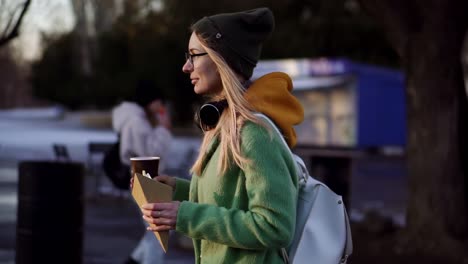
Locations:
(209, 114)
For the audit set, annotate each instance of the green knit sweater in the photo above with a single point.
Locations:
(243, 216)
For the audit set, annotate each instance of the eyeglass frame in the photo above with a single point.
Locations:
(189, 56)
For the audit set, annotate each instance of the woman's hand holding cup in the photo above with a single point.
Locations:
(169, 180)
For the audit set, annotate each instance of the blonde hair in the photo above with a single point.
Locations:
(230, 123)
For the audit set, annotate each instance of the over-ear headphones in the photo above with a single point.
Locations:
(208, 115)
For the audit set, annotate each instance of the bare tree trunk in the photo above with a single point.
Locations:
(465, 61)
(437, 117)
(428, 35)
(82, 36)
(104, 14)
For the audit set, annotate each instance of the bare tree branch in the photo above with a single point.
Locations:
(11, 19)
(8, 36)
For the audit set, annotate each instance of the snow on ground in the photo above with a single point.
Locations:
(53, 112)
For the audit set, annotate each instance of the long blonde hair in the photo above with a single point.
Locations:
(230, 123)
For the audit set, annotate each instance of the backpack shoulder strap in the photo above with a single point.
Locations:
(272, 125)
(300, 166)
(349, 241)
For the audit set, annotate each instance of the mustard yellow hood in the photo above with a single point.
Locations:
(271, 95)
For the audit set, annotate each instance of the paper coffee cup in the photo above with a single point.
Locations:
(145, 165)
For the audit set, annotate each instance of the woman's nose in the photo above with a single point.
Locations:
(188, 67)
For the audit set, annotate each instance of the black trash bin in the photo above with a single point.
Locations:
(50, 213)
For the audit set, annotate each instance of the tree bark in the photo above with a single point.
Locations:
(83, 55)
(430, 45)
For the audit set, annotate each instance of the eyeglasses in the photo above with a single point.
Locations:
(190, 57)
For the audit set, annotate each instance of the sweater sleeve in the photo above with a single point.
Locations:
(181, 192)
(271, 186)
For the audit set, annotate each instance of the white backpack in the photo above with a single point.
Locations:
(323, 234)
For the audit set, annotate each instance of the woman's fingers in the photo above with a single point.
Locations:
(159, 228)
(171, 206)
(171, 181)
(160, 223)
(131, 183)
(163, 215)
(154, 215)
(164, 221)
(157, 206)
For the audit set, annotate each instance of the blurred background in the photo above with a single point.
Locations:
(383, 86)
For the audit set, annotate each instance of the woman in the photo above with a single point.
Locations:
(240, 205)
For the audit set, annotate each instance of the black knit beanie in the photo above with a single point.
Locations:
(237, 37)
(146, 92)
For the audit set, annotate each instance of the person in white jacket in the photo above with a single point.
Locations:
(143, 125)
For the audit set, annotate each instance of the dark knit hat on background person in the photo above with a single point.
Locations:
(237, 37)
(146, 92)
